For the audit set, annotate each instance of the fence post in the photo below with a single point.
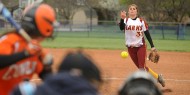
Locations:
(153, 29)
(88, 30)
(163, 36)
(90, 18)
(70, 24)
(180, 31)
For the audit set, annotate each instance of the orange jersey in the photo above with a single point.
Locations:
(15, 73)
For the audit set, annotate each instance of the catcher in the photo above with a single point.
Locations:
(20, 59)
(135, 28)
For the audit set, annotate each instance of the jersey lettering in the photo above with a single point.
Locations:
(139, 28)
(128, 27)
(17, 70)
(139, 34)
(134, 31)
(133, 27)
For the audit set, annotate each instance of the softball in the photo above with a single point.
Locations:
(124, 54)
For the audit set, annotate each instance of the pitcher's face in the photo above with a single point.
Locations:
(132, 11)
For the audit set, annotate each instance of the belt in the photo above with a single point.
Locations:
(133, 46)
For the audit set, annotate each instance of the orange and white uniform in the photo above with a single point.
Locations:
(11, 75)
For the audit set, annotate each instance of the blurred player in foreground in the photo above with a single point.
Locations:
(21, 59)
(139, 83)
(135, 28)
(77, 75)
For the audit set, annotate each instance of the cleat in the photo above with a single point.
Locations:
(161, 80)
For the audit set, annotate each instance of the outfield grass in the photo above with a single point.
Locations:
(113, 38)
(113, 43)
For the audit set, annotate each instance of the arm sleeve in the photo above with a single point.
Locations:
(47, 66)
(122, 24)
(147, 34)
(7, 60)
(45, 72)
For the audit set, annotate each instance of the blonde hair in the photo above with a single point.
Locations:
(134, 6)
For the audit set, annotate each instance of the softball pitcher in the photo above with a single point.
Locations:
(135, 28)
(20, 59)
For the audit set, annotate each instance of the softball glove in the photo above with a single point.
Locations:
(154, 56)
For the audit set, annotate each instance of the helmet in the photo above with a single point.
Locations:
(39, 20)
(80, 62)
(140, 83)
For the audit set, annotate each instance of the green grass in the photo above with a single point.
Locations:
(106, 37)
(113, 43)
(173, 45)
(96, 43)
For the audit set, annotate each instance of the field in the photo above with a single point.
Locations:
(113, 43)
(105, 46)
(174, 62)
(173, 65)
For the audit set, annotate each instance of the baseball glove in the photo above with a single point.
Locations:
(154, 56)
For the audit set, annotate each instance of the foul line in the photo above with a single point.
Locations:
(177, 80)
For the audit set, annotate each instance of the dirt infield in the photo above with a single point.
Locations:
(173, 65)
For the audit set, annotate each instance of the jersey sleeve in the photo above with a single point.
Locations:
(125, 21)
(6, 47)
(145, 25)
(146, 32)
(122, 24)
(39, 67)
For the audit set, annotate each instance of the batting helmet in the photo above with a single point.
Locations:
(140, 83)
(39, 20)
(83, 62)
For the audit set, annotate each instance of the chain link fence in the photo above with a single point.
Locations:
(110, 29)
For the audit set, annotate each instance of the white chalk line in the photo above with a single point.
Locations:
(177, 80)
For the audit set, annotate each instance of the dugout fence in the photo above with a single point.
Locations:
(110, 29)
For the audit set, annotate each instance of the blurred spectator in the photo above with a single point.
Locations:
(140, 83)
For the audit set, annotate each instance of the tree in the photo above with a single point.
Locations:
(107, 9)
(163, 10)
(123, 2)
(93, 3)
(150, 9)
(176, 9)
(65, 8)
(10, 3)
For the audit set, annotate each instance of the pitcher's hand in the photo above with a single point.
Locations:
(123, 14)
